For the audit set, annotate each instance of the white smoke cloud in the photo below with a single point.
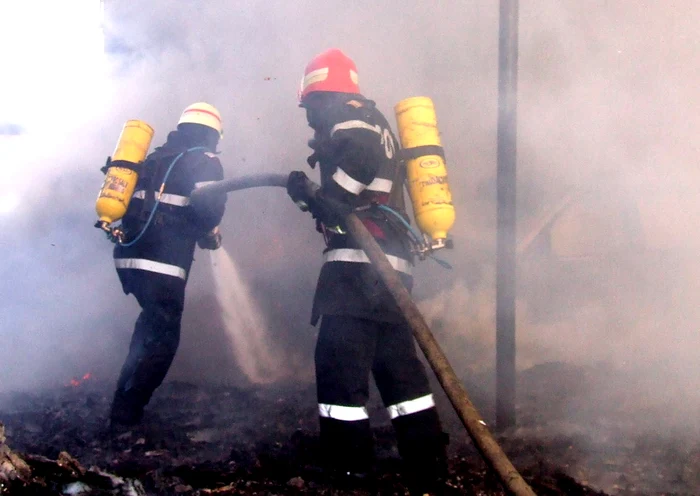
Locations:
(606, 96)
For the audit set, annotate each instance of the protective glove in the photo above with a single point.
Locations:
(211, 240)
(329, 211)
(309, 197)
(301, 189)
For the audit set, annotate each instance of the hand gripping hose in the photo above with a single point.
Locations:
(487, 446)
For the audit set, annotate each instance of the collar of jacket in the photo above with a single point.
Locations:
(179, 142)
(323, 107)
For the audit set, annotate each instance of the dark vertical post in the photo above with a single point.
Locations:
(505, 242)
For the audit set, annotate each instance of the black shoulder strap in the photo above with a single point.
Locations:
(396, 196)
(151, 170)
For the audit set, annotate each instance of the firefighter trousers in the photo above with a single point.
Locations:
(347, 350)
(155, 339)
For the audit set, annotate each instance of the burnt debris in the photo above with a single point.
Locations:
(217, 440)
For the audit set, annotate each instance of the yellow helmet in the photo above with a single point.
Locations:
(204, 114)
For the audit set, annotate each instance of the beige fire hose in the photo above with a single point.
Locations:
(487, 446)
(492, 453)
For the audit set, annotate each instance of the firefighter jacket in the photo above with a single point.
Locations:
(357, 155)
(167, 245)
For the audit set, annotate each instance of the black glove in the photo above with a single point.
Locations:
(211, 240)
(329, 211)
(309, 197)
(301, 189)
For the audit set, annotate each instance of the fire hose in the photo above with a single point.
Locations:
(485, 443)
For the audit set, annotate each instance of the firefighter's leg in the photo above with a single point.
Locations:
(153, 345)
(344, 355)
(403, 384)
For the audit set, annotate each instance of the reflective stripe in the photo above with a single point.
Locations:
(203, 111)
(151, 266)
(314, 77)
(203, 183)
(170, 199)
(355, 125)
(411, 406)
(359, 256)
(348, 183)
(381, 185)
(339, 412)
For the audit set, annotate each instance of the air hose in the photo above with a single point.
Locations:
(155, 205)
(485, 443)
(415, 237)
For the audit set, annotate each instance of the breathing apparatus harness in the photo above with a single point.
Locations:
(118, 235)
(416, 242)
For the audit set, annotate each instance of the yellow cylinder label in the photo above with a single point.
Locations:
(113, 183)
(429, 163)
(430, 196)
(116, 192)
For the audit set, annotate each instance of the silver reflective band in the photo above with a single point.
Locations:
(348, 183)
(177, 200)
(203, 183)
(355, 125)
(151, 266)
(345, 413)
(381, 185)
(359, 256)
(314, 77)
(411, 406)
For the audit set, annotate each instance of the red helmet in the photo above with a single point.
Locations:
(331, 70)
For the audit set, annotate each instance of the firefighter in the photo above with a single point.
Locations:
(362, 329)
(162, 227)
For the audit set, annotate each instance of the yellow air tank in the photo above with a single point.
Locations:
(122, 172)
(425, 168)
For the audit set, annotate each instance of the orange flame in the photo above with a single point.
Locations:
(77, 382)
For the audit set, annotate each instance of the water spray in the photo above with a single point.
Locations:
(243, 321)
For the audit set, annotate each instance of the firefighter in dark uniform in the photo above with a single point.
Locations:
(362, 329)
(162, 228)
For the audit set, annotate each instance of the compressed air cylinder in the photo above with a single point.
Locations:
(425, 167)
(122, 174)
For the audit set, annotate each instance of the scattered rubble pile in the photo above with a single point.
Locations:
(215, 440)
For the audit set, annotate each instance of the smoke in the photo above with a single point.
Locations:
(607, 116)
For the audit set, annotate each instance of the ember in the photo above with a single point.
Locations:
(77, 382)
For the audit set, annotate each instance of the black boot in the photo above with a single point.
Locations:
(425, 467)
(125, 412)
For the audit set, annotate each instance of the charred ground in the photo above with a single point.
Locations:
(199, 440)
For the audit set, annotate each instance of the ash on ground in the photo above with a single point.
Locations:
(218, 440)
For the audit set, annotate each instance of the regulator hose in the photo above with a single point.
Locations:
(485, 443)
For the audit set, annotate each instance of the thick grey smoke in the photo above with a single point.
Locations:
(607, 114)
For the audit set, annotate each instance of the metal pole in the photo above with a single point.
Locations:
(506, 236)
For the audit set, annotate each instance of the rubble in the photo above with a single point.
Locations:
(218, 440)
(36, 474)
